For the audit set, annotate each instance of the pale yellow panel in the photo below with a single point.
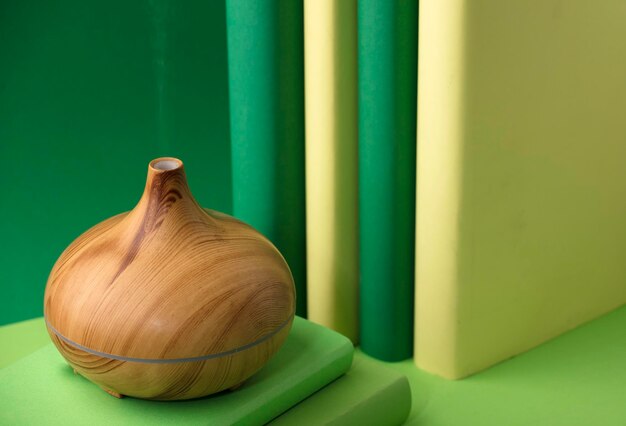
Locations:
(331, 157)
(521, 227)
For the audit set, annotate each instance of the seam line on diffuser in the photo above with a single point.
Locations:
(171, 360)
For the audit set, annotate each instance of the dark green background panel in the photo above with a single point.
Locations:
(90, 92)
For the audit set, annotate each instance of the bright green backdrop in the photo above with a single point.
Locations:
(90, 92)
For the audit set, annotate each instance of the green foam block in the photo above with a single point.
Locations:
(368, 394)
(42, 389)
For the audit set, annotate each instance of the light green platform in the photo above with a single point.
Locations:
(578, 378)
(369, 394)
(42, 389)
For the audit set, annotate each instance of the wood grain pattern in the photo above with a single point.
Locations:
(166, 282)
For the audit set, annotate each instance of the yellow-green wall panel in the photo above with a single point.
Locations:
(331, 163)
(521, 185)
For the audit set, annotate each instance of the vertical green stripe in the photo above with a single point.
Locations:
(387, 31)
(266, 77)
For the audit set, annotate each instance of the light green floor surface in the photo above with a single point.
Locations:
(578, 378)
(20, 339)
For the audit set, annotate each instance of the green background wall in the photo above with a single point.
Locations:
(90, 92)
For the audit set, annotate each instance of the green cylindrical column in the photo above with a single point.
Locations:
(266, 78)
(387, 31)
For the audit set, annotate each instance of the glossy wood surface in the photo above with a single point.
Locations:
(163, 283)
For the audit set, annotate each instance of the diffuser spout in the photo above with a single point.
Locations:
(166, 193)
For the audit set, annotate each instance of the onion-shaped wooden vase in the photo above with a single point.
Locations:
(169, 301)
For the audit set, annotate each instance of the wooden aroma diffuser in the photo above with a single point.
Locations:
(169, 301)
